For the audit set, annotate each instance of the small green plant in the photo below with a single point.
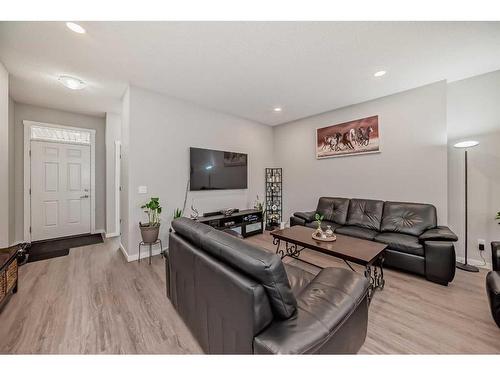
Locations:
(498, 217)
(319, 219)
(177, 213)
(153, 210)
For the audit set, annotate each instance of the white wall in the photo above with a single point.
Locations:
(113, 134)
(124, 173)
(4, 157)
(53, 116)
(411, 166)
(161, 130)
(474, 113)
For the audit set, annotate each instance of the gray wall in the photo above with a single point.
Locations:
(411, 166)
(474, 113)
(161, 130)
(35, 113)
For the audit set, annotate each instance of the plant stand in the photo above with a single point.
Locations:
(150, 244)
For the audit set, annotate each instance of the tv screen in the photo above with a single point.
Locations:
(217, 170)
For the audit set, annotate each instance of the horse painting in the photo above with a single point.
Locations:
(349, 138)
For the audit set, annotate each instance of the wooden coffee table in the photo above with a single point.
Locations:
(367, 253)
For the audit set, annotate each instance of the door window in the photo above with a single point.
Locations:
(43, 133)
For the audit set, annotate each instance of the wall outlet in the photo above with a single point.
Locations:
(480, 244)
(142, 189)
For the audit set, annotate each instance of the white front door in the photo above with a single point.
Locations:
(60, 190)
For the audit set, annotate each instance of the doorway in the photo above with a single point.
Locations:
(59, 181)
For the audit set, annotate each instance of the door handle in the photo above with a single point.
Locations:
(84, 196)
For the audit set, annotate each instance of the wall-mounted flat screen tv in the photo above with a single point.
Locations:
(217, 170)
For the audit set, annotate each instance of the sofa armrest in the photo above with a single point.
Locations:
(167, 272)
(331, 317)
(440, 233)
(306, 216)
(439, 261)
(495, 255)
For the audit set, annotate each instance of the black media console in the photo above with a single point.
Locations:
(245, 222)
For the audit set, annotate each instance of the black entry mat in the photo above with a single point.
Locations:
(60, 246)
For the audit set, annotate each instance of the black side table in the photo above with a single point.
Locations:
(150, 244)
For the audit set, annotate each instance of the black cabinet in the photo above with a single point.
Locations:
(245, 222)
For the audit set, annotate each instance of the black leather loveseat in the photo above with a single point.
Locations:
(238, 298)
(493, 283)
(415, 242)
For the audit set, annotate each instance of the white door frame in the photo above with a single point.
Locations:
(27, 172)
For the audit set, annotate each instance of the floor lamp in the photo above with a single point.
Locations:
(466, 145)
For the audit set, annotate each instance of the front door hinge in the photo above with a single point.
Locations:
(30, 191)
(30, 229)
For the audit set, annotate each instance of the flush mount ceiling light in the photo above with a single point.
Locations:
(380, 73)
(75, 27)
(72, 82)
(277, 109)
(466, 144)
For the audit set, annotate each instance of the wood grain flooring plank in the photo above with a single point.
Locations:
(92, 301)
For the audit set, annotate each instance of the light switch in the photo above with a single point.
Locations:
(142, 189)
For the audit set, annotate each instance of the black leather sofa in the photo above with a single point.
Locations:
(237, 298)
(493, 283)
(415, 242)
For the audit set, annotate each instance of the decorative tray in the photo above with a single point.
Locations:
(326, 239)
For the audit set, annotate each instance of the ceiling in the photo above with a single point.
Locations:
(242, 68)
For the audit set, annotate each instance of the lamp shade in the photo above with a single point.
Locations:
(466, 144)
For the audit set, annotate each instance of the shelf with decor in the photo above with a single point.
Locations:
(274, 197)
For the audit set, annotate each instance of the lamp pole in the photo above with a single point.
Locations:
(465, 266)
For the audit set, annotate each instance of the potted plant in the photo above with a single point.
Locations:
(177, 213)
(150, 230)
(319, 219)
(498, 217)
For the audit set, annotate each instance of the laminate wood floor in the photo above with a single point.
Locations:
(93, 301)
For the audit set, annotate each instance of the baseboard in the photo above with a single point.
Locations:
(110, 235)
(144, 254)
(475, 262)
(124, 252)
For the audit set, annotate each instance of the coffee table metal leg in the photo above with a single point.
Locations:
(277, 242)
(375, 275)
(293, 250)
(379, 281)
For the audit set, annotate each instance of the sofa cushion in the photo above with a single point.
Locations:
(365, 213)
(401, 242)
(333, 209)
(324, 224)
(408, 218)
(353, 231)
(324, 306)
(259, 264)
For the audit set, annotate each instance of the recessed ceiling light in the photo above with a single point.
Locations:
(466, 144)
(72, 82)
(75, 27)
(380, 73)
(277, 109)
